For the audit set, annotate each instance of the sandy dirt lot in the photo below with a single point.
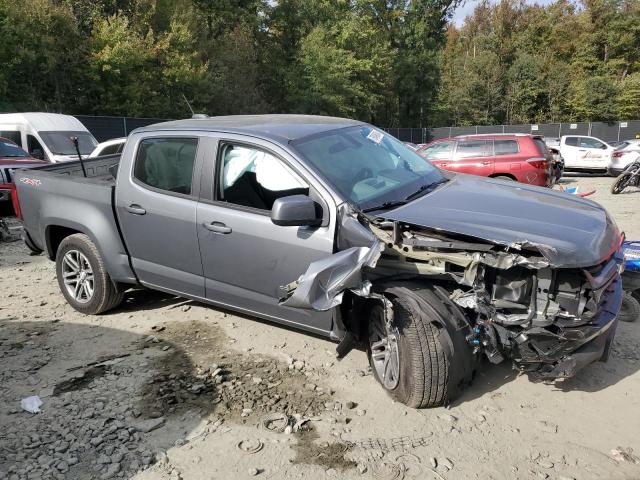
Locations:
(164, 388)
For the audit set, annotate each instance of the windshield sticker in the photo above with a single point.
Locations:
(31, 181)
(375, 136)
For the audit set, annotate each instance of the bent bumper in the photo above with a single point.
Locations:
(580, 346)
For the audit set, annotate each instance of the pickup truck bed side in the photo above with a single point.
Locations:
(53, 192)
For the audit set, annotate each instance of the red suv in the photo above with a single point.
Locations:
(12, 157)
(520, 157)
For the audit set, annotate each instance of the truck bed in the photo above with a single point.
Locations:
(58, 196)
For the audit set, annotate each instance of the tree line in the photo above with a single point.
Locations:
(389, 62)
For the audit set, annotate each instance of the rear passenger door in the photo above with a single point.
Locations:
(156, 207)
(473, 157)
(569, 152)
(245, 256)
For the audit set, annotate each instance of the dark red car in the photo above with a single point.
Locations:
(520, 157)
(12, 157)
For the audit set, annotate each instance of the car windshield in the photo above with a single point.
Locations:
(60, 142)
(368, 166)
(11, 150)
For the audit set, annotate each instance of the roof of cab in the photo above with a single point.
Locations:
(43, 122)
(281, 128)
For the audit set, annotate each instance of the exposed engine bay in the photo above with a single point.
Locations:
(518, 302)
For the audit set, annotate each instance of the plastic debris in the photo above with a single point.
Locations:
(622, 454)
(276, 422)
(31, 404)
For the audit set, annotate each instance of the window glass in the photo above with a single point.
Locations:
(505, 147)
(586, 142)
(367, 165)
(438, 151)
(472, 148)
(110, 149)
(60, 143)
(571, 141)
(12, 135)
(11, 150)
(34, 147)
(542, 147)
(166, 163)
(254, 178)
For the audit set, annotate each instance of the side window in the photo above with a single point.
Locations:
(472, 148)
(505, 147)
(109, 150)
(13, 135)
(34, 147)
(166, 163)
(571, 141)
(438, 151)
(254, 178)
(586, 142)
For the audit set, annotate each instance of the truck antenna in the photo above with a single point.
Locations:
(74, 140)
(188, 104)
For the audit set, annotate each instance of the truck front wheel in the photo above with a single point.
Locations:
(83, 278)
(408, 356)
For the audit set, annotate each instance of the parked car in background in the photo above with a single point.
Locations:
(625, 153)
(521, 157)
(110, 147)
(46, 136)
(585, 154)
(12, 157)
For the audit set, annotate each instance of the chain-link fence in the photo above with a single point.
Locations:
(105, 128)
(609, 132)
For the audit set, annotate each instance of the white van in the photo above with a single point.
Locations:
(47, 135)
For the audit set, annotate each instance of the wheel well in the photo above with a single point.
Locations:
(494, 175)
(55, 235)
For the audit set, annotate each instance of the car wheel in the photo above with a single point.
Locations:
(630, 309)
(83, 278)
(407, 357)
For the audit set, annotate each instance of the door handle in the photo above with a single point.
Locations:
(135, 209)
(486, 163)
(217, 227)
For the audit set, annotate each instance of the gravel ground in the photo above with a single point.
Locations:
(164, 388)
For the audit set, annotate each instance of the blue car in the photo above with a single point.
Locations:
(630, 310)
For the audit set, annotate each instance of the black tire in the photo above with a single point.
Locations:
(630, 309)
(504, 177)
(423, 365)
(620, 183)
(105, 294)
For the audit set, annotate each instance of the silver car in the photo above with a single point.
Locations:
(625, 153)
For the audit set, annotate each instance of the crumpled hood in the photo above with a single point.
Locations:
(568, 231)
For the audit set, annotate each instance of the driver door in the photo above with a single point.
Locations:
(246, 258)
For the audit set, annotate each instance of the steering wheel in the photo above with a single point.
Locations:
(362, 174)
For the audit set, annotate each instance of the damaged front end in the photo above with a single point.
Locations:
(519, 300)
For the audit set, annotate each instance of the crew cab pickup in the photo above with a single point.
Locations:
(586, 154)
(333, 226)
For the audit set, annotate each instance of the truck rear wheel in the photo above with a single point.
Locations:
(408, 357)
(83, 278)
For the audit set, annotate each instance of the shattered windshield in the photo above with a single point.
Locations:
(368, 166)
(60, 142)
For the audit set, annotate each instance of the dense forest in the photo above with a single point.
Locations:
(390, 62)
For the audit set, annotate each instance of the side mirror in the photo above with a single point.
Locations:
(295, 210)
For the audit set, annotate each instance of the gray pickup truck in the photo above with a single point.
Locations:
(335, 227)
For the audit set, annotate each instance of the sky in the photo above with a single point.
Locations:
(467, 9)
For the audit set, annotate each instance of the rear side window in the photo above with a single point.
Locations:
(12, 135)
(111, 149)
(472, 148)
(541, 146)
(571, 141)
(505, 147)
(166, 163)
